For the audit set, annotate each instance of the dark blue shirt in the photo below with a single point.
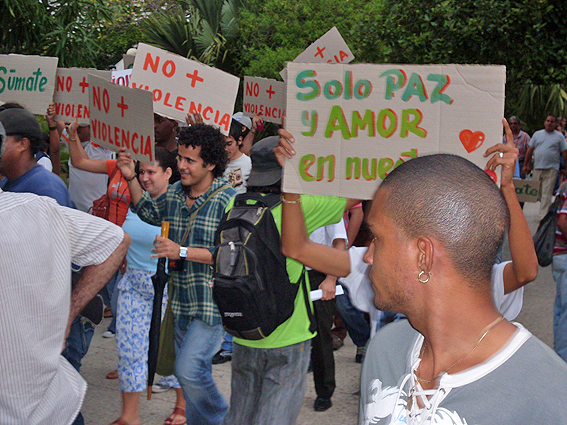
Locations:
(41, 182)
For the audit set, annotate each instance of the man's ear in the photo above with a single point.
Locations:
(426, 251)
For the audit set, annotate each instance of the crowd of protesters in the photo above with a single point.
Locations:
(410, 261)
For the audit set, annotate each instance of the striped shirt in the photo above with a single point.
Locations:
(191, 295)
(521, 142)
(39, 240)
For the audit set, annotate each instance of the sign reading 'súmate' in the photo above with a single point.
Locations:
(353, 124)
(28, 80)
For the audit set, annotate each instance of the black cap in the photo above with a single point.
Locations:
(265, 168)
(19, 122)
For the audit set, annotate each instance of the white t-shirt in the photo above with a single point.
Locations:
(362, 295)
(327, 234)
(84, 186)
(237, 172)
(39, 241)
(45, 162)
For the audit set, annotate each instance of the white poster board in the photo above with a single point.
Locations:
(122, 117)
(265, 98)
(71, 96)
(28, 80)
(122, 78)
(355, 123)
(180, 86)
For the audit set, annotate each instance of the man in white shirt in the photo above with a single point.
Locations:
(39, 241)
(239, 166)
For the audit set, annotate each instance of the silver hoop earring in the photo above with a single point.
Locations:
(419, 277)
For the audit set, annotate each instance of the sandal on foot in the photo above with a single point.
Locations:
(178, 411)
(120, 421)
(112, 375)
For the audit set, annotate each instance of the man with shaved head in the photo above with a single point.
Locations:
(437, 223)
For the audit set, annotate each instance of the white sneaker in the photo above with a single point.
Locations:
(160, 388)
(108, 334)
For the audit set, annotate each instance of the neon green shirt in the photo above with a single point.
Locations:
(318, 211)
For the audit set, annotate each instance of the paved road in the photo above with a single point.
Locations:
(102, 403)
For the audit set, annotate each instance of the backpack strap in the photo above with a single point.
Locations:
(269, 200)
(303, 283)
(194, 214)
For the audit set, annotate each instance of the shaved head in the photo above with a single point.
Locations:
(447, 198)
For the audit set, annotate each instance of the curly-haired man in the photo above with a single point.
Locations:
(193, 206)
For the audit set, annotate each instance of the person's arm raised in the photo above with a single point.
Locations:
(54, 139)
(524, 266)
(295, 241)
(79, 157)
(127, 167)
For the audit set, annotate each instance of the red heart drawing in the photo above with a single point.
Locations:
(492, 175)
(471, 141)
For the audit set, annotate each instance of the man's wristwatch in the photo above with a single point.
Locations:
(183, 251)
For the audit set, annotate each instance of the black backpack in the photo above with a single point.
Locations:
(251, 286)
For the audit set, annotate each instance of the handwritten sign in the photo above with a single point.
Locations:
(28, 80)
(527, 190)
(122, 117)
(330, 48)
(264, 97)
(180, 86)
(353, 124)
(71, 96)
(122, 78)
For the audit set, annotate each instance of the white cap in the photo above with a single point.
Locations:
(242, 119)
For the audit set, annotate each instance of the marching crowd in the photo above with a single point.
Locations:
(418, 263)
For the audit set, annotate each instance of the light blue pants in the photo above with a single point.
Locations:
(133, 318)
(194, 350)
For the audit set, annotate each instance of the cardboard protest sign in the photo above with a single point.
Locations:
(180, 86)
(128, 61)
(355, 123)
(28, 80)
(71, 96)
(264, 97)
(330, 48)
(122, 78)
(527, 190)
(122, 117)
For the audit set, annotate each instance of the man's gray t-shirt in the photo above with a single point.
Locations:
(547, 149)
(524, 383)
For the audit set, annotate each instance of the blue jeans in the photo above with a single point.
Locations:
(227, 342)
(110, 292)
(194, 350)
(268, 384)
(559, 268)
(78, 342)
(353, 318)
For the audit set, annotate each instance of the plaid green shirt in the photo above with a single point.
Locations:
(191, 296)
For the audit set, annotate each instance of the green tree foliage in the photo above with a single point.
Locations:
(527, 36)
(273, 32)
(204, 30)
(67, 29)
